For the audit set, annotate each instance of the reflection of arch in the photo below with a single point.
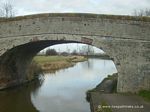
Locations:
(120, 37)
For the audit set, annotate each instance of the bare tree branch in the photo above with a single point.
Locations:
(7, 10)
(142, 12)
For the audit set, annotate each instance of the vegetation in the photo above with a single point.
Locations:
(111, 77)
(145, 94)
(142, 12)
(51, 52)
(42, 64)
(7, 10)
(87, 50)
(33, 71)
(44, 59)
(53, 63)
(84, 50)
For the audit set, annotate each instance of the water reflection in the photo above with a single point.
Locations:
(87, 64)
(65, 91)
(18, 99)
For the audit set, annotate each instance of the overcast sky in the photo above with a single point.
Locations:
(118, 7)
(71, 47)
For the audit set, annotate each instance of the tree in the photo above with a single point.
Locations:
(64, 54)
(51, 52)
(74, 52)
(7, 10)
(142, 12)
(87, 50)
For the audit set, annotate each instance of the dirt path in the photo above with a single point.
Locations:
(122, 103)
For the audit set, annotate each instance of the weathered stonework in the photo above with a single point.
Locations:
(126, 39)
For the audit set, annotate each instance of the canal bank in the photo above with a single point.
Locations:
(54, 63)
(104, 98)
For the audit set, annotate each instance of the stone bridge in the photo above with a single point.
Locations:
(124, 38)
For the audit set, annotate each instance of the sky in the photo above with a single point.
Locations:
(70, 47)
(116, 7)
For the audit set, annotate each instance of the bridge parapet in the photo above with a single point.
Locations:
(124, 27)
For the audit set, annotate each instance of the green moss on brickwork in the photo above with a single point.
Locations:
(81, 15)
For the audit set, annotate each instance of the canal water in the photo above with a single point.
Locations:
(62, 91)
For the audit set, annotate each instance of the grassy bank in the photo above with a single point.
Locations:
(53, 63)
(145, 94)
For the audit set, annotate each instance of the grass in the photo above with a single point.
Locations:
(42, 64)
(145, 94)
(44, 59)
(53, 63)
(111, 77)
